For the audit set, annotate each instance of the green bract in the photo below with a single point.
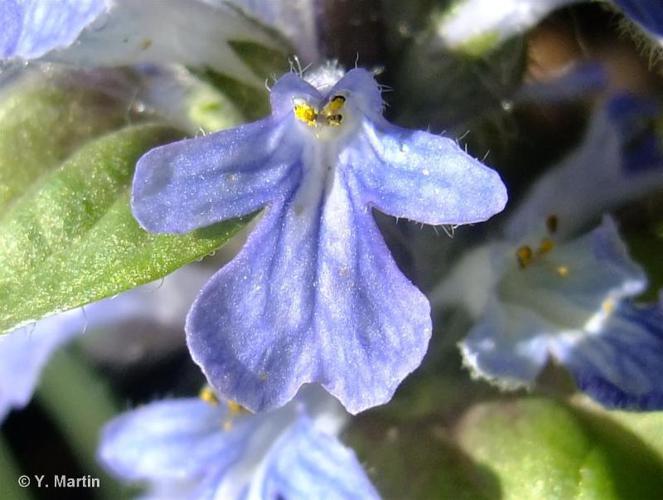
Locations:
(545, 449)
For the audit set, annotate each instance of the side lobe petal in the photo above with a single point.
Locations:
(196, 182)
(314, 296)
(422, 177)
(508, 346)
(170, 440)
(620, 366)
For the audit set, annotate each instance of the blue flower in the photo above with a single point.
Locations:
(545, 293)
(314, 296)
(31, 28)
(128, 32)
(620, 159)
(24, 352)
(570, 302)
(478, 26)
(189, 448)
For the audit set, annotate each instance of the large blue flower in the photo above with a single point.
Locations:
(314, 296)
(189, 448)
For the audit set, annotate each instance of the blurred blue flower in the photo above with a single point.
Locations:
(620, 159)
(25, 352)
(570, 301)
(544, 293)
(31, 28)
(478, 26)
(314, 296)
(128, 32)
(189, 448)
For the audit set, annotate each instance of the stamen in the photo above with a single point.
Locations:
(208, 395)
(306, 113)
(234, 410)
(562, 271)
(545, 246)
(608, 306)
(552, 223)
(525, 255)
(331, 111)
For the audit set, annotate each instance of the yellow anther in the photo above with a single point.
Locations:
(552, 223)
(331, 111)
(525, 255)
(545, 246)
(235, 408)
(334, 105)
(208, 395)
(306, 113)
(563, 271)
(608, 306)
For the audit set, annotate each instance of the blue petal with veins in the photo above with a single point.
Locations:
(315, 295)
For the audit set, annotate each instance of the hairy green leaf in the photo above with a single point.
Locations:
(42, 121)
(71, 239)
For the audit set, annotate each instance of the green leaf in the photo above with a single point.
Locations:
(546, 449)
(72, 239)
(41, 123)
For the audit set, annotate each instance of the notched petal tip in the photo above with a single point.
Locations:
(293, 309)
